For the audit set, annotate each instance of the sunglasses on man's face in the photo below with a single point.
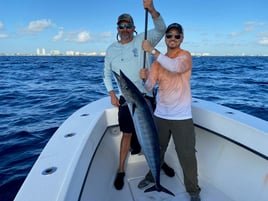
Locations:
(177, 36)
(127, 26)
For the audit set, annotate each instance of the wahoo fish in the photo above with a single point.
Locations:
(145, 128)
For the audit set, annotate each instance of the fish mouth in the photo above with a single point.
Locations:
(117, 76)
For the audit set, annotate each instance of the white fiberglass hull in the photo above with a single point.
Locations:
(81, 159)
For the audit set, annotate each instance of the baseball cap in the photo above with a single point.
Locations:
(175, 26)
(125, 17)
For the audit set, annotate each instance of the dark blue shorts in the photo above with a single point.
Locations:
(124, 117)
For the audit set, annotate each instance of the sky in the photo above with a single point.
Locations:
(229, 27)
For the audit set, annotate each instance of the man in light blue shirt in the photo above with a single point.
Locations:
(127, 55)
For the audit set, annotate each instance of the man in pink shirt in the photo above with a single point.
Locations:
(172, 73)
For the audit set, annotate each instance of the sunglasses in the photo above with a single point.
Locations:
(177, 36)
(127, 26)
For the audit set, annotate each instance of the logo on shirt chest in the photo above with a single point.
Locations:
(135, 52)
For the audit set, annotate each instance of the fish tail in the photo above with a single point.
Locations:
(158, 188)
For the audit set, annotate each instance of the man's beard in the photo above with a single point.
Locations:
(126, 36)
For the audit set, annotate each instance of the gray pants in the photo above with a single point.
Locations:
(183, 135)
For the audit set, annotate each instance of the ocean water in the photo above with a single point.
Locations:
(38, 93)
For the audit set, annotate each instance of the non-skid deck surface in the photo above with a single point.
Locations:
(136, 172)
(136, 169)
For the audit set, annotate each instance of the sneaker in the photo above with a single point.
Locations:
(168, 170)
(119, 180)
(143, 183)
(195, 198)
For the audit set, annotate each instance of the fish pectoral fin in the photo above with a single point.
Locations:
(159, 188)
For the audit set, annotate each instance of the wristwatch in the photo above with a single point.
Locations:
(153, 52)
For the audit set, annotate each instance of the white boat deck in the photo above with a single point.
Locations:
(135, 172)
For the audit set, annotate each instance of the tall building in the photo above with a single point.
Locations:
(43, 51)
(38, 51)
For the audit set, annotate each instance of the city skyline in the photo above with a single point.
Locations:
(44, 52)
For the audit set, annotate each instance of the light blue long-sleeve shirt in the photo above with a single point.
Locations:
(129, 57)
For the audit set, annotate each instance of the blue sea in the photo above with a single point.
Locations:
(38, 93)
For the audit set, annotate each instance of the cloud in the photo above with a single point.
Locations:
(2, 27)
(101, 37)
(39, 25)
(251, 25)
(235, 44)
(58, 36)
(80, 37)
(106, 34)
(263, 34)
(263, 38)
(263, 41)
(3, 36)
(233, 35)
(83, 36)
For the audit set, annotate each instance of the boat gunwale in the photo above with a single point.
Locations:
(252, 125)
(233, 141)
